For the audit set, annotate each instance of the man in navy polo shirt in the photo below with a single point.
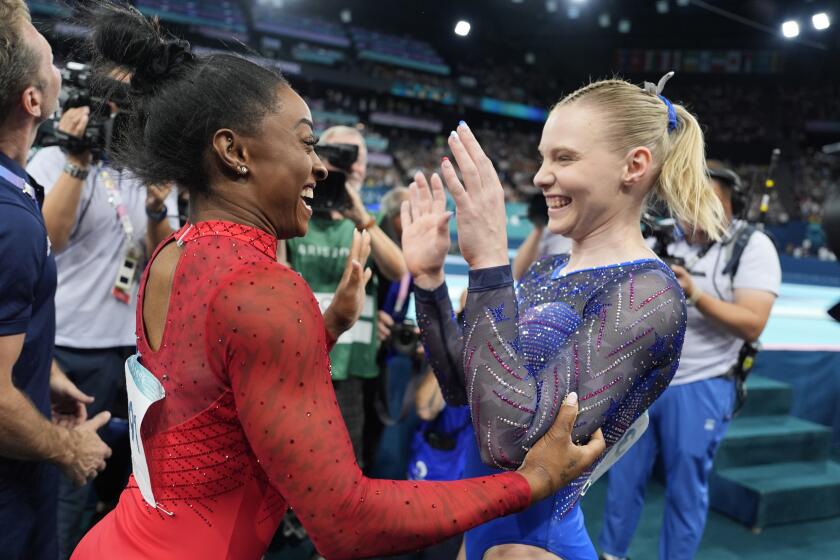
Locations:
(31, 445)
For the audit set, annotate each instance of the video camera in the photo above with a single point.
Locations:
(331, 193)
(404, 338)
(104, 125)
(665, 231)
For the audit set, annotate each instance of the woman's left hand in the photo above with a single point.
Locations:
(481, 218)
(349, 299)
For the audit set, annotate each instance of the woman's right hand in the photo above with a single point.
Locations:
(425, 237)
(555, 461)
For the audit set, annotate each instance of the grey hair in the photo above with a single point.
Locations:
(393, 199)
(339, 130)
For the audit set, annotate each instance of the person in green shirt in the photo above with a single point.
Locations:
(320, 257)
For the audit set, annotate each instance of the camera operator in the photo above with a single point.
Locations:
(540, 242)
(320, 257)
(730, 287)
(30, 391)
(103, 225)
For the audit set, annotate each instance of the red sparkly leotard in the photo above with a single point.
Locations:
(249, 427)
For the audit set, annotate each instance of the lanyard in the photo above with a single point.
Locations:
(18, 181)
(115, 200)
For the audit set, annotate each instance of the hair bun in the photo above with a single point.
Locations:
(160, 63)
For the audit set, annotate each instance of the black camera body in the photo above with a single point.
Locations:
(77, 91)
(331, 193)
(404, 338)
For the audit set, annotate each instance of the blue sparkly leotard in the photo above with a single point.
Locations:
(612, 334)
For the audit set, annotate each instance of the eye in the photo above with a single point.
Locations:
(310, 142)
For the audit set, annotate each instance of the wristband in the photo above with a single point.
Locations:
(76, 171)
(159, 216)
(696, 294)
(370, 223)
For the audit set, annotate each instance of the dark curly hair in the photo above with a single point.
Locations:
(178, 99)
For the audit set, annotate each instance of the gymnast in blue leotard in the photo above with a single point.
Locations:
(605, 322)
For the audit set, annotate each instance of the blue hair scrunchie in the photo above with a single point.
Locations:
(672, 113)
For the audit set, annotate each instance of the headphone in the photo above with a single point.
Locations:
(731, 180)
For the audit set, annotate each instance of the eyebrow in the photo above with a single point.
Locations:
(305, 121)
(557, 149)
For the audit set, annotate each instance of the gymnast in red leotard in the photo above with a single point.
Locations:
(233, 364)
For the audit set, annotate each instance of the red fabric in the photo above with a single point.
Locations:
(250, 427)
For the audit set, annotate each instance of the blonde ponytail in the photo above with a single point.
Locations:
(636, 117)
(683, 183)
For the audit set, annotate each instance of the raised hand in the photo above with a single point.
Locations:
(346, 306)
(425, 237)
(482, 223)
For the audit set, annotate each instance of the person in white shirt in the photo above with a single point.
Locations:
(103, 224)
(729, 303)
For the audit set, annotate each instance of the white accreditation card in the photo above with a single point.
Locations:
(631, 436)
(143, 391)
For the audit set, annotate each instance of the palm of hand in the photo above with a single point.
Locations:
(425, 244)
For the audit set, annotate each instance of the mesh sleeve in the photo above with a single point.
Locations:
(442, 341)
(268, 331)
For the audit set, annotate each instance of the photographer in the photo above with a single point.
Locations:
(320, 257)
(30, 391)
(730, 287)
(103, 224)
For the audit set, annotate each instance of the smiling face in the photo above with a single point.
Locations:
(580, 175)
(283, 166)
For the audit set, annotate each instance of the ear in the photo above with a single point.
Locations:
(32, 101)
(636, 166)
(230, 151)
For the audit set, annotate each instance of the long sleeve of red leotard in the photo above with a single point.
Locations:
(266, 334)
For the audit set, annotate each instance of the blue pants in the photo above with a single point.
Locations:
(28, 501)
(687, 424)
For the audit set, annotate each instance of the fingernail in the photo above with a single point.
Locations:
(453, 134)
(462, 123)
(446, 162)
(571, 399)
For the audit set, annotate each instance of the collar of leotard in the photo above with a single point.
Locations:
(257, 238)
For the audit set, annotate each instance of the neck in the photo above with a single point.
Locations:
(16, 140)
(203, 209)
(614, 242)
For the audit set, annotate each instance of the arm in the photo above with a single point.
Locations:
(442, 340)
(61, 203)
(25, 434)
(428, 400)
(746, 317)
(386, 254)
(519, 367)
(157, 230)
(528, 252)
(303, 446)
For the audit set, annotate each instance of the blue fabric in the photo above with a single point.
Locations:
(429, 462)
(672, 113)
(28, 514)
(27, 290)
(536, 526)
(687, 424)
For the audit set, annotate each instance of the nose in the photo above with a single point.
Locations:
(318, 170)
(543, 179)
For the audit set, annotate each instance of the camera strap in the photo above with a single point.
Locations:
(127, 272)
(21, 183)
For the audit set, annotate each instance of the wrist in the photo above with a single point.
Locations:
(429, 281)
(489, 262)
(76, 169)
(364, 221)
(335, 325)
(79, 160)
(156, 215)
(694, 297)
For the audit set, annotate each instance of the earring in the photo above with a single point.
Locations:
(243, 170)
